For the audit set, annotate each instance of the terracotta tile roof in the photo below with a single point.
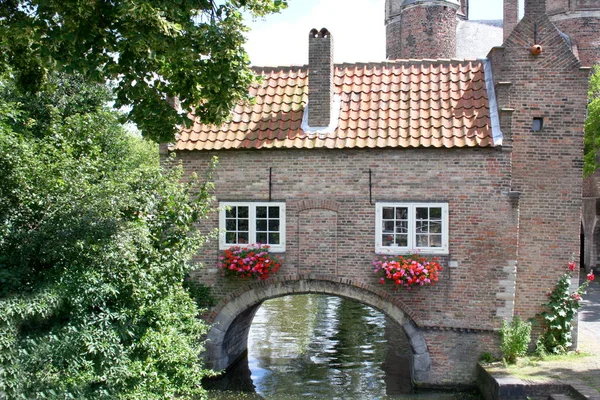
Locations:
(390, 104)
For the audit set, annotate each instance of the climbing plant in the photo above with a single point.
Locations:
(592, 125)
(561, 308)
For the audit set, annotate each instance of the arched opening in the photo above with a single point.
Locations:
(321, 346)
(228, 336)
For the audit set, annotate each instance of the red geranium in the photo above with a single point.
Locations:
(408, 271)
(253, 261)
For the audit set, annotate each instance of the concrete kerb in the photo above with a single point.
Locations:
(255, 294)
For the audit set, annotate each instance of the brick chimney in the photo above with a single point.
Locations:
(320, 78)
(535, 7)
(511, 16)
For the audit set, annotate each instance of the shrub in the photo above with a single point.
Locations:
(95, 239)
(487, 357)
(516, 336)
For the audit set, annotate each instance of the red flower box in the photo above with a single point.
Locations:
(253, 261)
(408, 270)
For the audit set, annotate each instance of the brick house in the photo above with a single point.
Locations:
(477, 162)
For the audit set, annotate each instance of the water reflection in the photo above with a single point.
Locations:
(317, 346)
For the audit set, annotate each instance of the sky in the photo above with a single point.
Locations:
(357, 27)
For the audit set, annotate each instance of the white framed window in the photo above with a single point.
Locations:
(408, 227)
(245, 223)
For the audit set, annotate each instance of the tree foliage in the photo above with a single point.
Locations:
(94, 243)
(592, 125)
(150, 49)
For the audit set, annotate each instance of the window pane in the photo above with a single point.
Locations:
(242, 212)
(230, 237)
(261, 212)
(273, 212)
(230, 225)
(401, 213)
(435, 227)
(388, 212)
(242, 237)
(402, 240)
(231, 212)
(274, 225)
(422, 213)
(402, 227)
(422, 241)
(261, 225)
(273, 238)
(388, 226)
(435, 241)
(387, 240)
(242, 224)
(435, 213)
(422, 227)
(261, 237)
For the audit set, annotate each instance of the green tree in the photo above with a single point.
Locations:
(150, 49)
(592, 125)
(95, 239)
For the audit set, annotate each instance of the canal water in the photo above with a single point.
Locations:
(323, 347)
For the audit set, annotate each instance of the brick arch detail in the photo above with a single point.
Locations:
(331, 205)
(235, 312)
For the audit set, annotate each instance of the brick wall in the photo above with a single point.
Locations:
(557, 6)
(547, 165)
(341, 221)
(422, 31)
(583, 30)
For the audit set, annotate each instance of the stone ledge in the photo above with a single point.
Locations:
(494, 386)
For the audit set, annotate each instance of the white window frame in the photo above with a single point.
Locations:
(411, 247)
(224, 205)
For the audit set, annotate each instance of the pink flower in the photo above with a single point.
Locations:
(571, 265)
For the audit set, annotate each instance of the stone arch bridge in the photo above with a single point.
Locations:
(231, 319)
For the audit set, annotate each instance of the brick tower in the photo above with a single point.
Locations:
(580, 19)
(422, 28)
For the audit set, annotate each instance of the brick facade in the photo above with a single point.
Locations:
(546, 165)
(583, 31)
(514, 209)
(331, 224)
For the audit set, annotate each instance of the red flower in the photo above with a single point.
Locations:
(571, 265)
(590, 276)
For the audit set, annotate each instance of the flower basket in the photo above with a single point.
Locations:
(408, 270)
(253, 261)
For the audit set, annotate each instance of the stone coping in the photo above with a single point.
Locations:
(497, 385)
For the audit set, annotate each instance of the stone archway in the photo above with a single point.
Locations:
(230, 323)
